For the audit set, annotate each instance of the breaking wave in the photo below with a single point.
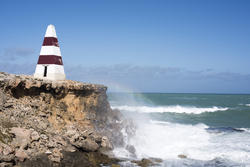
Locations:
(170, 109)
(167, 140)
(220, 139)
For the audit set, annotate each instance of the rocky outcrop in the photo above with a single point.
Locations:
(54, 120)
(148, 162)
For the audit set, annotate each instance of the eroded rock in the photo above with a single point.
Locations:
(34, 136)
(22, 137)
(21, 155)
(86, 144)
(7, 158)
(6, 164)
(105, 143)
(45, 118)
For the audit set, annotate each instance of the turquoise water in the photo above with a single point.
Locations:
(210, 129)
(236, 115)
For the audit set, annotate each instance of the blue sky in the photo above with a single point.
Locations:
(140, 45)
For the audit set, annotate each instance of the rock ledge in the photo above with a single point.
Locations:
(54, 120)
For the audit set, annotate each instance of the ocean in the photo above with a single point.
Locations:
(207, 129)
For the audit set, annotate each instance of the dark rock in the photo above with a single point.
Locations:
(76, 159)
(86, 145)
(83, 159)
(7, 158)
(38, 161)
(6, 164)
(223, 129)
(182, 156)
(144, 162)
(148, 162)
(131, 149)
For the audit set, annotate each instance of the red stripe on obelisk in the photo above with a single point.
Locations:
(50, 41)
(50, 59)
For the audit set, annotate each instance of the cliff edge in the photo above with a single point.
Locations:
(55, 123)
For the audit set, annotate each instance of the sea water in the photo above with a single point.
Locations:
(209, 129)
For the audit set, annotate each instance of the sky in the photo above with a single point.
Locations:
(170, 46)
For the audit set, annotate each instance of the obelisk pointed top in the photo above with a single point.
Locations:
(51, 31)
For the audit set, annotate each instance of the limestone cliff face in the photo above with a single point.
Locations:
(75, 102)
(49, 117)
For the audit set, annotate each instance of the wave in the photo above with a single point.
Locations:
(170, 109)
(248, 105)
(167, 141)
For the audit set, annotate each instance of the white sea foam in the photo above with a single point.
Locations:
(171, 109)
(168, 140)
(248, 105)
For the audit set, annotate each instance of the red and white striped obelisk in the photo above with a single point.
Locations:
(50, 65)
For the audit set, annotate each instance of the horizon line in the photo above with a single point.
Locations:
(180, 93)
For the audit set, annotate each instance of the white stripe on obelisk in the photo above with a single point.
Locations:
(50, 50)
(55, 72)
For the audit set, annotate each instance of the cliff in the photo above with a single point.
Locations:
(55, 120)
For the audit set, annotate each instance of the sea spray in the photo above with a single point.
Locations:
(168, 140)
